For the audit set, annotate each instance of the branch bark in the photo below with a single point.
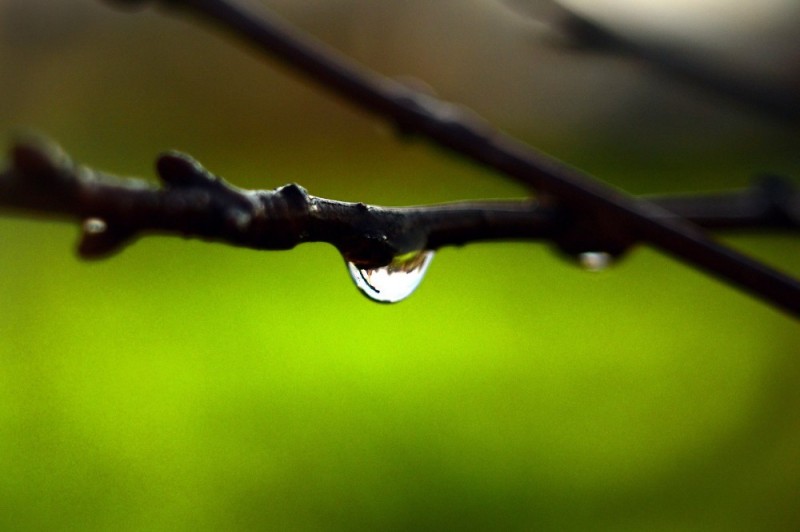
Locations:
(42, 181)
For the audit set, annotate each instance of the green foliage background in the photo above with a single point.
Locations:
(182, 385)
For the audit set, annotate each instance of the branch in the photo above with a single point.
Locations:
(623, 219)
(195, 203)
(42, 181)
(772, 202)
(574, 30)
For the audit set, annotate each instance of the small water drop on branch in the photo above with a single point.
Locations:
(94, 226)
(395, 281)
(595, 261)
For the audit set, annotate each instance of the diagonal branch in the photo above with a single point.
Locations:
(575, 30)
(623, 219)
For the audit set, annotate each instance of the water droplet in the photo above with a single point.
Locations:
(395, 281)
(595, 261)
(94, 226)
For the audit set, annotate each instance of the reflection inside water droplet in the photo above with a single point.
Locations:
(395, 281)
(594, 261)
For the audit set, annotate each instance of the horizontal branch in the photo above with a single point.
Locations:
(42, 181)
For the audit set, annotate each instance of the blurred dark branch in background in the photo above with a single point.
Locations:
(780, 105)
(561, 26)
(41, 181)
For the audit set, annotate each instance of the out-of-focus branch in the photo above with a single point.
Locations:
(619, 219)
(772, 202)
(576, 31)
(42, 181)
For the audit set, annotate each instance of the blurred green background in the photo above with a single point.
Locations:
(190, 386)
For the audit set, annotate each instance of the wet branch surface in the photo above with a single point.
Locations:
(42, 181)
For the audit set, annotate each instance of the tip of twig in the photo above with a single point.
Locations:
(178, 170)
(181, 171)
(100, 240)
(38, 159)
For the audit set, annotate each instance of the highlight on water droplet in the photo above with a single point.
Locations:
(595, 261)
(94, 226)
(395, 281)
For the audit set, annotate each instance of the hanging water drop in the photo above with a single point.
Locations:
(595, 261)
(395, 281)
